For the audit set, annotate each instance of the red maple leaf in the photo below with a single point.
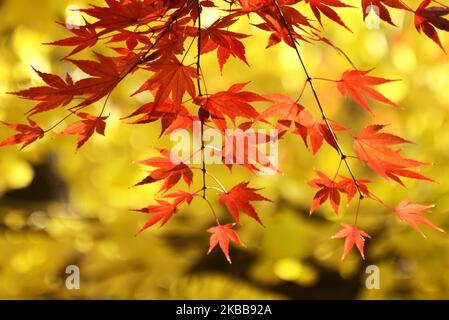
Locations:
(239, 199)
(171, 76)
(318, 132)
(106, 74)
(181, 197)
(428, 18)
(172, 116)
(121, 14)
(374, 148)
(274, 24)
(324, 6)
(353, 236)
(283, 107)
(394, 172)
(168, 170)
(85, 128)
(350, 188)
(410, 214)
(232, 103)
(278, 31)
(161, 212)
(288, 111)
(251, 5)
(328, 189)
(84, 37)
(27, 133)
(221, 235)
(172, 42)
(227, 43)
(358, 85)
(332, 190)
(131, 38)
(293, 16)
(57, 93)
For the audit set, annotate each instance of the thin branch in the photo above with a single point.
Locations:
(65, 118)
(104, 104)
(188, 49)
(315, 94)
(200, 94)
(198, 61)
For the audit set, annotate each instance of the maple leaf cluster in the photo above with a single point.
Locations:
(155, 38)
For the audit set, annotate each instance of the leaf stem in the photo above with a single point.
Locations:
(213, 211)
(214, 188)
(338, 170)
(324, 79)
(357, 212)
(64, 118)
(222, 187)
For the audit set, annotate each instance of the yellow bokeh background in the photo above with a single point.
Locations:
(59, 207)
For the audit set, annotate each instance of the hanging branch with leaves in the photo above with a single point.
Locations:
(156, 37)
